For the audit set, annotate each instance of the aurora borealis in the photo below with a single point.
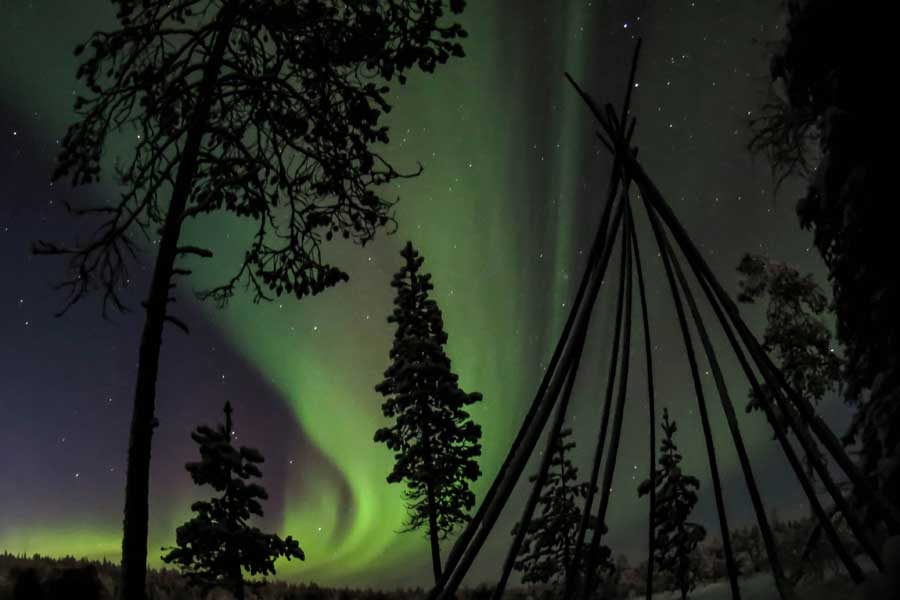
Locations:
(502, 213)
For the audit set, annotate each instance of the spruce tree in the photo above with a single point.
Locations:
(676, 495)
(216, 546)
(435, 443)
(548, 547)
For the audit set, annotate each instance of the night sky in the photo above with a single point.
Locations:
(503, 214)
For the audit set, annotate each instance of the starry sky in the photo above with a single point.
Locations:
(503, 214)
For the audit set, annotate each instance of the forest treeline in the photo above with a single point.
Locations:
(627, 579)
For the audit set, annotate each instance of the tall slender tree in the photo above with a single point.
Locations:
(435, 442)
(676, 495)
(549, 544)
(216, 546)
(264, 110)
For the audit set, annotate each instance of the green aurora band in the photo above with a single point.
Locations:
(461, 123)
(461, 214)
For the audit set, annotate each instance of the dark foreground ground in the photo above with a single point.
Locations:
(40, 578)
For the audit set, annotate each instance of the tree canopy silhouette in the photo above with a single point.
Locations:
(435, 442)
(826, 124)
(796, 334)
(216, 546)
(676, 495)
(269, 111)
(548, 548)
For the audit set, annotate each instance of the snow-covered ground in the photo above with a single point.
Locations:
(760, 587)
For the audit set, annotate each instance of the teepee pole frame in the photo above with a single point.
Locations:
(771, 374)
(615, 134)
(800, 472)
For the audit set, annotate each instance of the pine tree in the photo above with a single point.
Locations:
(548, 547)
(435, 443)
(676, 496)
(216, 546)
(267, 112)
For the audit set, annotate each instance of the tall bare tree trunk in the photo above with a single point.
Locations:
(135, 526)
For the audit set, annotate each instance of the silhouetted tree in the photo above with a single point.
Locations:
(435, 443)
(216, 546)
(796, 335)
(548, 547)
(265, 110)
(676, 495)
(826, 123)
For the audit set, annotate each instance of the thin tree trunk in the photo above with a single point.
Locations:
(135, 526)
(433, 533)
(239, 593)
(682, 564)
(430, 496)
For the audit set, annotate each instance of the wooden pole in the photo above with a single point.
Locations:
(770, 373)
(782, 585)
(543, 470)
(594, 256)
(701, 405)
(800, 472)
(610, 463)
(572, 570)
(517, 463)
(651, 409)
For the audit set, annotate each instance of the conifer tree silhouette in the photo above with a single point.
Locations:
(216, 546)
(435, 443)
(549, 544)
(676, 495)
(267, 111)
